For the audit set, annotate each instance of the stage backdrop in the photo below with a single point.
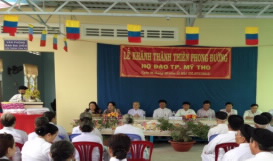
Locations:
(240, 89)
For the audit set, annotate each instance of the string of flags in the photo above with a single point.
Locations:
(134, 33)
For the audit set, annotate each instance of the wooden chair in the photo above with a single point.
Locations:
(225, 146)
(85, 150)
(138, 149)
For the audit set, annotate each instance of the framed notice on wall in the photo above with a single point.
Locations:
(16, 44)
(175, 62)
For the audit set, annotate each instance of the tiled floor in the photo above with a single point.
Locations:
(165, 152)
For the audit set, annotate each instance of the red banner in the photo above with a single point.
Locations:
(175, 62)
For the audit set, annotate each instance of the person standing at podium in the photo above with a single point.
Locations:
(20, 96)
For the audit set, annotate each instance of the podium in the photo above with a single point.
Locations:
(29, 105)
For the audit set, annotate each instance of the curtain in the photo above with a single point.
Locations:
(240, 89)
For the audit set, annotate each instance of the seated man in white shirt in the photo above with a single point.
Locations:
(234, 124)
(128, 127)
(260, 121)
(86, 116)
(185, 110)
(242, 152)
(229, 109)
(20, 97)
(8, 120)
(261, 145)
(206, 111)
(136, 111)
(249, 114)
(221, 127)
(269, 117)
(40, 121)
(86, 126)
(162, 111)
(62, 134)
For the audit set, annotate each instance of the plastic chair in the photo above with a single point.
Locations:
(85, 150)
(138, 150)
(212, 137)
(72, 136)
(19, 145)
(225, 146)
(134, 137)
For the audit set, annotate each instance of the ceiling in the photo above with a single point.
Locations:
(143, 8)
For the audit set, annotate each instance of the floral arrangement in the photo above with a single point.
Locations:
(190, 117)
(32, 93)
(110, 120)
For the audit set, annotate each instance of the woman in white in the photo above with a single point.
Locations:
(9, 121)
(242, 152)
(86, 116)
(229, 109)
(39, 148)
(128, 127)
(86, 127)
(119, 146)
(185, 110)
(8, 148)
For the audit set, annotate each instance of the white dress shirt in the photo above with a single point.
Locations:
(115, 159)
(262, 156)
(19, 137)
(218, 129)
(76, 130)
(240, 153)
(18, 98)
(250, 114)
(183, 112)
(206, 113)
(88, 137)
(33, 136)
(36, 150)
(162, 113)
(232, 112)
(130, 129)
(133, 112)
(208, 153)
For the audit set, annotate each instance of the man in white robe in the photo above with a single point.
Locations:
(269, 117)
(221, 127)
(242, 152)
(234, 124)
(261, 145)
(162, 111)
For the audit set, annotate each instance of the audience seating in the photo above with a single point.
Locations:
(19, 145)
(72, 136)
(85, 150)
(212, 137)
(225, 146)
(134, 137)
(138, 149)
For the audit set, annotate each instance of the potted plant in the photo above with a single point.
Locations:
(180, 134)
(199, 130)
(181, 139)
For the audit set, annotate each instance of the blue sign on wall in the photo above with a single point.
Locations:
(16, 44)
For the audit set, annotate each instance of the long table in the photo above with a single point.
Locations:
(24, 122)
